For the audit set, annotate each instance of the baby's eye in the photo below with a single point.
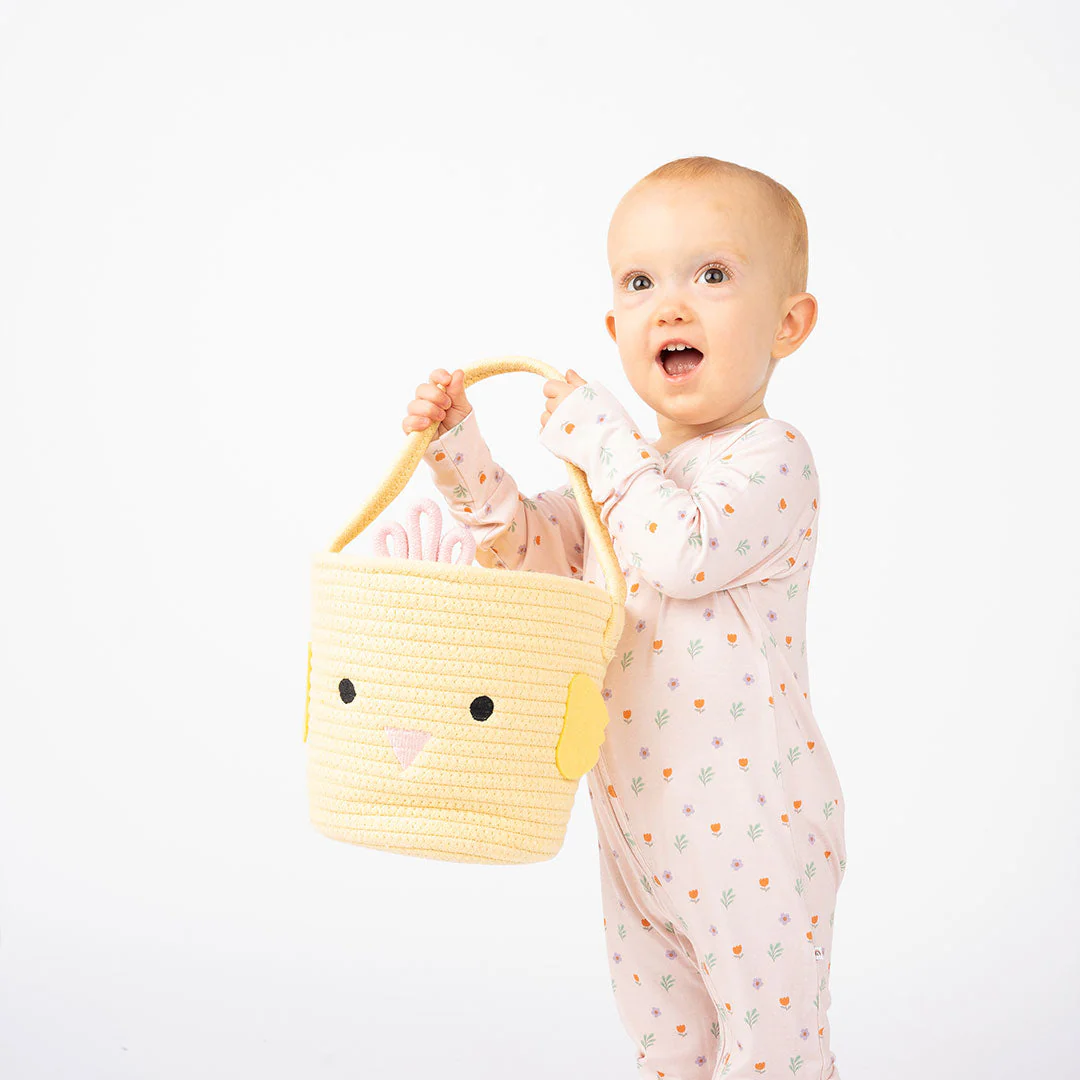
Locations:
(715, 268)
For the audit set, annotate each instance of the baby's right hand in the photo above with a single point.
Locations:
(431, 403)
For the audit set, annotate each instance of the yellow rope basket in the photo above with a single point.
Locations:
(491, 677)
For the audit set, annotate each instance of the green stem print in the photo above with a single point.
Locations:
(706, 776)
(793, 590)
(621, 931)
(751, 1018)
(742, 547)
(637, 785)
(827, 809)
(694, 648)
(810, 870)
(727, 898)
(777, 769)
(647, 1041)
(776, 950)
(667, 982)
(681, 843)
(754, 832)
(793, 755)
(795, 1064)
(736, 710)
(661, 718)
(799, 886)
(626, 659)
(708, 960)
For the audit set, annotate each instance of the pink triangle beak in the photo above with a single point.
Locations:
(407, 743)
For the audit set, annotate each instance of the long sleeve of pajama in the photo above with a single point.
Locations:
(718, 808)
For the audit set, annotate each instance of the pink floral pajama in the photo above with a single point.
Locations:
(718, 808)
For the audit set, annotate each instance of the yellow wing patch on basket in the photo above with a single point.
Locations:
(307, 696)
(583, 728)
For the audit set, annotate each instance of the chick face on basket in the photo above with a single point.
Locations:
(466, 709)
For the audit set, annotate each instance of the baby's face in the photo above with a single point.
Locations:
(698, 262)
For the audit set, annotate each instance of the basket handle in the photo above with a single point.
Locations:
(416, 444)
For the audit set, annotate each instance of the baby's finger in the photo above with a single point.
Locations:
(421, 413)
(432, 393)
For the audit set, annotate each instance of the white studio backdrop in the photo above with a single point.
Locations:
(234, 237)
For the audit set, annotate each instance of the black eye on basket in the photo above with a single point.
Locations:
(481, 707)
(347, 691)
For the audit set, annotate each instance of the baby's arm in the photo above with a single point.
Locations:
(512, 531)
(750, 515)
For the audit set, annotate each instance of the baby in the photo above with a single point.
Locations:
(717, 804)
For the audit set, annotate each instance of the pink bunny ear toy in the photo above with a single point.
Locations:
(431, 549)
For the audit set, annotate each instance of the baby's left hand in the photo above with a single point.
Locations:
(555, 391)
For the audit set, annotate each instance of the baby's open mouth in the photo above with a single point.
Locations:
(679, 361)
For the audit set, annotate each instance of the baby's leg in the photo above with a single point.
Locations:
(659, 993)
(750, 865)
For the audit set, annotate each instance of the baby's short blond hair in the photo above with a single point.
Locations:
(793, 253)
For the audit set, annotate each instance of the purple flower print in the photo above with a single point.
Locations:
(717, 742)
(708, 614)
(673, 684)
(713, 931)
(749, 679)
(640, 625)
(700, 1060)
(714, 542)
(681, 514)
(757, 984)
(655, 1011)
(643, 753)
(771, 615)
(804, 1034)
(736, 864)
(761, 800)
(782, 469)
(671, 954)
(666, 875)
(785, 918)
(606, 693)
(764, 541)
(811, 837)
(688, 809)
(617, 957)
